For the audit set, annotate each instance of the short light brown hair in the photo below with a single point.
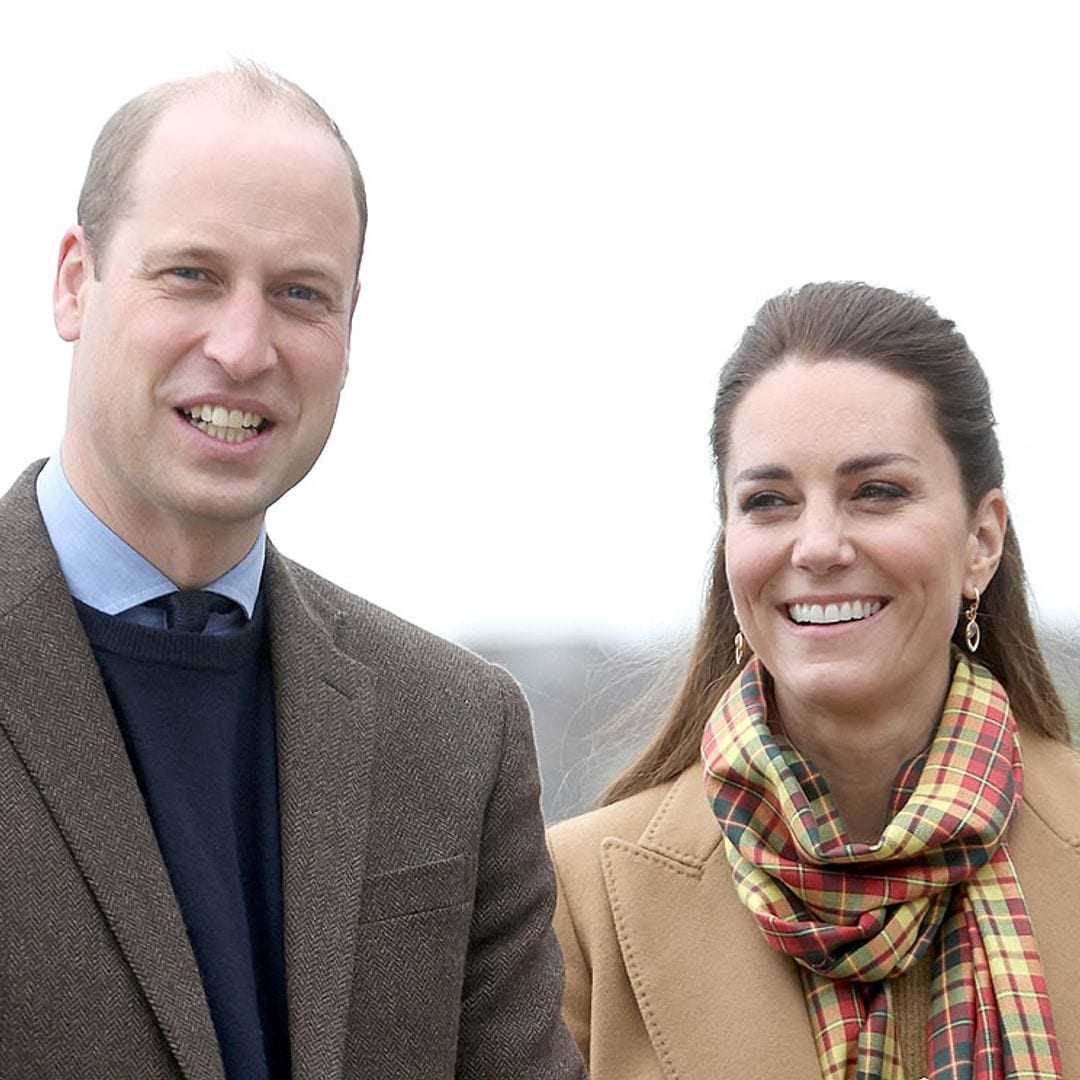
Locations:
(106, 190)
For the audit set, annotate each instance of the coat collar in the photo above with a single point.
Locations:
(1044, 843)
(715, 999)
(58, 717)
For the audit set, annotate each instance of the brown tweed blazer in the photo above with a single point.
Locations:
(667, 975)
(417, 889)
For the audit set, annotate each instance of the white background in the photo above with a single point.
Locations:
(575, 208)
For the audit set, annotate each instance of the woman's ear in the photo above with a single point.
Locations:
(986, 540)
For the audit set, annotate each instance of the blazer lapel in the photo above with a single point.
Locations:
(57, 715)
(716, 1000)
(325, 720)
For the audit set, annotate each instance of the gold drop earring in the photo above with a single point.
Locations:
(972, 633)
(740, 649)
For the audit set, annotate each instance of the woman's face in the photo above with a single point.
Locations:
(849, 542)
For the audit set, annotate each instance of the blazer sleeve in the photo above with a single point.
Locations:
(510, 1015)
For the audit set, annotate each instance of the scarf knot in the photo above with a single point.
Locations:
(854, 916)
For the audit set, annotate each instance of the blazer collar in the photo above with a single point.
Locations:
(58, 717)
(715, 999)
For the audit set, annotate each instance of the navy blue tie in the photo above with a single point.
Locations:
(190, 609)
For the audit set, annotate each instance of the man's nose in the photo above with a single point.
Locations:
(822, 542)
(239, 338)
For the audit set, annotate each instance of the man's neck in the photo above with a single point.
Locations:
(191, 551)
(190, 554)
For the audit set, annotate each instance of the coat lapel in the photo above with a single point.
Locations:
(325, 720)
(1045, 847)
(716, 1000)
(57, 715)
(699, 965)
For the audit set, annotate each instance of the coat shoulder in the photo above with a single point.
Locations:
(1051, 782)
(575, 843)
(387, 644)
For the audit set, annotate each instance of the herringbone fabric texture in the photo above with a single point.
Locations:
(418, 945)
(853, 915)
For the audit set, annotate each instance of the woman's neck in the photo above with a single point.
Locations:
(859, 751)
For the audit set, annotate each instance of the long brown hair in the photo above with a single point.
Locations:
(904, 334)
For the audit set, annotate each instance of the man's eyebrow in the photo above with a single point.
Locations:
(312, 270)
(179, 255)
(854, 465)
(156, 258)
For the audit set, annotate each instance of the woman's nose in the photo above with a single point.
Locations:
(822, 542)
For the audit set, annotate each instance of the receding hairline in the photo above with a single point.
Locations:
(243, 85)
(106, 193)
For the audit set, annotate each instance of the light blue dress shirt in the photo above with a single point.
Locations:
(108, 574)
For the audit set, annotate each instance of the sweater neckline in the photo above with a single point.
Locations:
(146, 644)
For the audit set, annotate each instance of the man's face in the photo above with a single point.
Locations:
(212, 346)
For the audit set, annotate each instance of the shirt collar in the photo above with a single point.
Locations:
(108, 573)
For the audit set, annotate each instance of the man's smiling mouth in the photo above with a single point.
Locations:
(228, 425)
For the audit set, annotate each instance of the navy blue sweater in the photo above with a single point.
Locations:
(197, 715)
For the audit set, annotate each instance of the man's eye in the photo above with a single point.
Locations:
(188, 273)
(301, 292)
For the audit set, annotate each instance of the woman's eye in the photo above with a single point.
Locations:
(763, 500)
(880, 489)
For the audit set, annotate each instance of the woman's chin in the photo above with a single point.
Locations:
(843, 687)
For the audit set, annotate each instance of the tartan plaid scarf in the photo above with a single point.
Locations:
(855, 915)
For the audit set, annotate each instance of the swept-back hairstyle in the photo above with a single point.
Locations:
(904, 335)
(106, 190)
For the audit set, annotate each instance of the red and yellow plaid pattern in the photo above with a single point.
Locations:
(856, 915)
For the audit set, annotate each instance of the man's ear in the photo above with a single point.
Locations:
(352, 312)
(986, 539)
(74, 269)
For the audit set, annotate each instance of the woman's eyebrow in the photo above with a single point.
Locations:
(763, 472)
(862, 463)
(873, 461)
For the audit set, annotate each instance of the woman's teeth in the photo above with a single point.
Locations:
(229, 425)
(848, 611)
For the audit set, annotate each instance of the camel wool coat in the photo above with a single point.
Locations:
(668, 976)
(416, 885)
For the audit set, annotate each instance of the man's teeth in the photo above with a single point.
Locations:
(848, 611)
(230, 425)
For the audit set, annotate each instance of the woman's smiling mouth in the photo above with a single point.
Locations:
(833, 612)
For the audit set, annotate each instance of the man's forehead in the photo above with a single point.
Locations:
(203, 145)
(241, 194)
(201, 121)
